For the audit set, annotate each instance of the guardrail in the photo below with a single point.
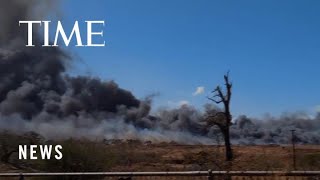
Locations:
(209, 175)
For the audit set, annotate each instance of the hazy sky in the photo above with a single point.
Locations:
(171, 47)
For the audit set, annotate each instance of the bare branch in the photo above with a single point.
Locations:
(216, 95)
(216, 101)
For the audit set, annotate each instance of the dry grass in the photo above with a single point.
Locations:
(83, 155)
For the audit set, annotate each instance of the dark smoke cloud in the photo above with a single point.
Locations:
(36, 94)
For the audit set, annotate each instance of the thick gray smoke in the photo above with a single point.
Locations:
(37, 95)
(271, 130)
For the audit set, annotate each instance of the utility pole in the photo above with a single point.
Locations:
(293, 149)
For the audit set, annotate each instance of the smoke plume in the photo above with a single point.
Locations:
(277, 130)
(36, 94)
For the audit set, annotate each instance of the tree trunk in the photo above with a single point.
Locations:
(227, 144)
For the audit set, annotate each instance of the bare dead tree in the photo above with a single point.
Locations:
(223, 119)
